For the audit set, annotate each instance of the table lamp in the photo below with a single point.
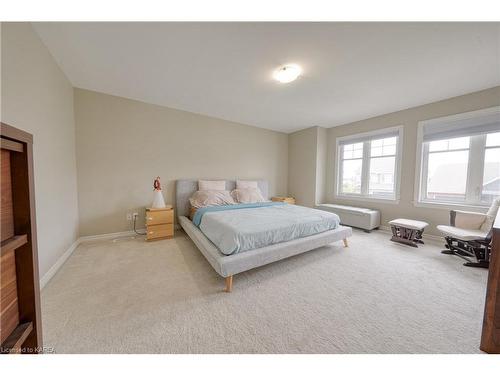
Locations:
(158, 201)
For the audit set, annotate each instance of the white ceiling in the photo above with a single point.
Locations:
(352, 71)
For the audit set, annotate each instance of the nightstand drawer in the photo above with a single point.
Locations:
(159, 231)
(159, 217)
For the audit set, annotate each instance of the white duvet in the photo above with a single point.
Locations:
(237, 230)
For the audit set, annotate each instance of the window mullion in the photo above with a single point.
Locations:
(340, 174)
(365, 168)
(475, 169)
(424, 172)
(480, 165)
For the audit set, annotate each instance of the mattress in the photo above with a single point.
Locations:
(239, 228)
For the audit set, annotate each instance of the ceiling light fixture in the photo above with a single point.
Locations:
(287, 73)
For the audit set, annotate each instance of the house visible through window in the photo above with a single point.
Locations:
(460, 161)
(369, 165)
(491, 173)
(352, 165)
(447, 169)
(382, 167)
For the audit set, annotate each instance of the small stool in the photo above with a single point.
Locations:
(408, 232)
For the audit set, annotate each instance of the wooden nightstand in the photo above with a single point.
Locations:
(290, 200)
(159, 223)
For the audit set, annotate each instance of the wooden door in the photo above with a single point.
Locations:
(490, 339)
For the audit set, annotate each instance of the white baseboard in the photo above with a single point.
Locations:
(429, 237)
(109, 236)
(62, 259)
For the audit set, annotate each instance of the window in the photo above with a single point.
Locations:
(447, 169)
(382, 167)
(352, 165)
(369, 164)
(460, 159)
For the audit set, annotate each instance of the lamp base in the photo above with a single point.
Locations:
(158, 201)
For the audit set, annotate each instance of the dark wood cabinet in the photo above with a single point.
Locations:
(20, 322)
(490, 339)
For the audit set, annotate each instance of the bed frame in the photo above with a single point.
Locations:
(229, 265)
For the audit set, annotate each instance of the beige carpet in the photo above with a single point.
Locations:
(130, 296)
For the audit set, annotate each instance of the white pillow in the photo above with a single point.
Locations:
(205, 198)
(211, 185)
(244, 184)
(247, 195)
(468, 220)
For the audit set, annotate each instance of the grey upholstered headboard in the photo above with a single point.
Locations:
(184, 189)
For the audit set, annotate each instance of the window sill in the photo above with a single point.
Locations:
(366, 199)
(450, 206)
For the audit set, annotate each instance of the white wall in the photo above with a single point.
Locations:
(302, 166)
(307, 156)
(37, 98)
(123, 144)
(409, 118)
(321, 164)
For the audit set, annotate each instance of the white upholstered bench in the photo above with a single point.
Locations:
(408, 232)
(358, 217)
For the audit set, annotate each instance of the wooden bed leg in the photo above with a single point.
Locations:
(346, 244)
(229, 284)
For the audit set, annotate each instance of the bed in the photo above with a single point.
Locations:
(302, 229)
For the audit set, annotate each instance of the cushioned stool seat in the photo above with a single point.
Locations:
(406, 231)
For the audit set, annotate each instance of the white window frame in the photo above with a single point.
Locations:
(474, 175)
(363, 196)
